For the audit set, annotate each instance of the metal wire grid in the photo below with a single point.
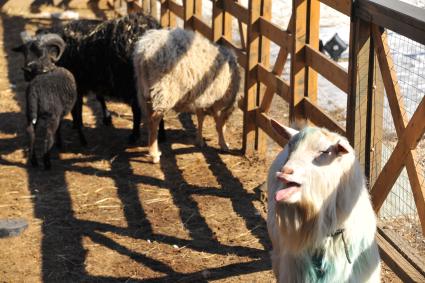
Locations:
(409, 63)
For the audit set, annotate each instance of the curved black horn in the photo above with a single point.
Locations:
(52, 40)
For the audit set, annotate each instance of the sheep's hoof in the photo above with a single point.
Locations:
(224, 147)
(156, 157)
(107, 121)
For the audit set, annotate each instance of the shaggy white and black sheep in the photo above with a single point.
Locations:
(99, 54)
(181, 70)
(320, 218)
(50, 94)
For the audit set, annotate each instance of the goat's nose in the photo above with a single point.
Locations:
(287, 170)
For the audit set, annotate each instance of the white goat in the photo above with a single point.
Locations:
(181, 70)
(320, 218)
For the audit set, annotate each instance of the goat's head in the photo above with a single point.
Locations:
(318, 163)
(40, 53)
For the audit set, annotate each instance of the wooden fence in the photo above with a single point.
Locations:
(299, 43)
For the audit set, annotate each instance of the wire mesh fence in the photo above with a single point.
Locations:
(399, 209)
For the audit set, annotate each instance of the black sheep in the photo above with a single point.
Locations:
(100, 57)
(51, 92)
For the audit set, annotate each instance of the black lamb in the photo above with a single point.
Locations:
(51, 92)
(100, 57)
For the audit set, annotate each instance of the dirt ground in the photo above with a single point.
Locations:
(105, 214)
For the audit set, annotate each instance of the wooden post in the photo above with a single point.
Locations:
(358, 76)
(298, 72)
(165, 14)
(313, 18)
(153, 9)
(189, 9)
(249, 141)
(264, 54)
(377, 113)
(217, 20)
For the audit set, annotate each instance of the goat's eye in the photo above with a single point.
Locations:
(326, 152)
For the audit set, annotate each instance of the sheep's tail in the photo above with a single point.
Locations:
(233, 88)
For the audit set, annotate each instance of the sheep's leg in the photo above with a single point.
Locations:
(107, 119)
(221, 128)
(154, 120)
(201, 117)
(137, 116)
(58, 136)
(77, 117)
(51, 128)
(31, 137)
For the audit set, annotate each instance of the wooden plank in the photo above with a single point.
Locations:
(327, 68)
(273, 83)
(275, 34)
(408, 141)
(249, 142)
(263, 121)
(313, 18)
(240, 53)
(319, 118)
(202, 27)
(298, 78)
(343, 6)
(395, 101)
(176, 8)
(237, 10)
(395, 15)
(397, 262)
(404, 248)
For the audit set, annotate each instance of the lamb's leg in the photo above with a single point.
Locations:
(58, 136)
(77, 117)
(137, 116)
(51, 128)
(221, 128)
(199, 139)
(153, 123)
(107, 120)
(31, 137)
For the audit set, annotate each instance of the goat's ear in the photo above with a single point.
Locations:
(19, 48)
(342, 147)
(282, 130)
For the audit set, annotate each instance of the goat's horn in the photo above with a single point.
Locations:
(52, 39)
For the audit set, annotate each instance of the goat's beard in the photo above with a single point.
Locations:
(298, 224)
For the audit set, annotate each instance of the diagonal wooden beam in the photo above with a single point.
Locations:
(408, 141)
(277, 69)
(395, 101)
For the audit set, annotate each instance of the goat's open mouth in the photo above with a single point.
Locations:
(289, 190)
